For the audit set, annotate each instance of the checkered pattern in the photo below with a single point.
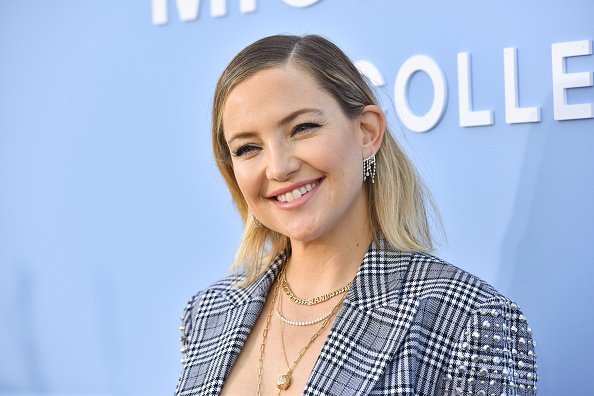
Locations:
(410, 325)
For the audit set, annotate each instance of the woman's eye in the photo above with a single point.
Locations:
(304, 127)
(244, 150)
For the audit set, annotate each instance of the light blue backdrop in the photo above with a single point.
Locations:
(112, 213)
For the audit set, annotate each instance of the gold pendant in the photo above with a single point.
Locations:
(284, 381)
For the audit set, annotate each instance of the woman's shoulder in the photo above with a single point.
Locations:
(220, 292)
(224, 285)
(223, 288)
(429, 276)
(493, 347)
(455, 294)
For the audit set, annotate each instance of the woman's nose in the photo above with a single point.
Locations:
(281, 162)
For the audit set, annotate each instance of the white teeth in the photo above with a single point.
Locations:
(296, 193)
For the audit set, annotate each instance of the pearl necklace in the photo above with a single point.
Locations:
(296, 323)
(284, 381)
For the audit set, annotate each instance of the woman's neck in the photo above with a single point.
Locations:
(326, 264)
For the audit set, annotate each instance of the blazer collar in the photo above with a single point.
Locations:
(373, 306)
(376, 283)
(257, 290)
(379, 278)
(373, 322)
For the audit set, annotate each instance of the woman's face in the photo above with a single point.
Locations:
(296, 157)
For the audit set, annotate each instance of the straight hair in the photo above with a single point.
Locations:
(398, 200)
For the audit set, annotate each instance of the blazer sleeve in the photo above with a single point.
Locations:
(494, 355)
(187, 321)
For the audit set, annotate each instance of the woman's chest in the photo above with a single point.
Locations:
(285, 351)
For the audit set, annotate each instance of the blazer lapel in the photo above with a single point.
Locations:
(367, 332)
(372, 323)
(224, 321)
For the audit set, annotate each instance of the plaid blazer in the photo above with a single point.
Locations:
(411, 324)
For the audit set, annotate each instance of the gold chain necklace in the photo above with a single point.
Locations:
(264, 336)
(284, 381)
(311, 301)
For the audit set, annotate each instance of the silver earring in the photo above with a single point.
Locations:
(256, 221)
(369, 168)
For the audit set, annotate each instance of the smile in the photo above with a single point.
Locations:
(297, 193)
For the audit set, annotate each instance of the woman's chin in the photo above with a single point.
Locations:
(302, 232)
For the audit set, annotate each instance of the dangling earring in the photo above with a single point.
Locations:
(369, 168)
(256, 221)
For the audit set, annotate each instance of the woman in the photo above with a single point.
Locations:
(333, 293)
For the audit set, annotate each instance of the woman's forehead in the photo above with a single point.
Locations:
(274, 80)
(271, 94)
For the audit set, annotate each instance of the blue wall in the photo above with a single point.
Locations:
(112, 213)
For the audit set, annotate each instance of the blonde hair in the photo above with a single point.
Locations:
(397, 200)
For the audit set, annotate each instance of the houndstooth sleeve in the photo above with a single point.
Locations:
(495, 354)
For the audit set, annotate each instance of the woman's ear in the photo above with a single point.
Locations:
(373, 127)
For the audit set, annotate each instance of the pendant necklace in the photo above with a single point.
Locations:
(284, 381)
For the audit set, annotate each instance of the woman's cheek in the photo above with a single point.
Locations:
(248, 183)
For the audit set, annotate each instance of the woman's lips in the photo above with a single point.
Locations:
(298, 196)
(297, 192)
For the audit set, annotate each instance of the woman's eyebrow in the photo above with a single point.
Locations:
(285, 120)
(297, 113)
(241, 135)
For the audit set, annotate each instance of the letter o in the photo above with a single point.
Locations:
(427, 121)
(300, 3)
